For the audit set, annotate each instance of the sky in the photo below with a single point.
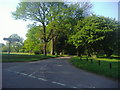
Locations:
(9, 25)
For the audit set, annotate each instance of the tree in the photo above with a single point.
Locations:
(45, 13)
(34, 11)
(16, 45)
(38, 12)
(64, 19)
(34, 43)
(95, 33)
(1, 46)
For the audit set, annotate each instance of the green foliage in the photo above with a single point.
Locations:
(94, 33)
(15, 46)
(33, 43)
(34, 11)
(1, 46)
(54, 16)
(41, 12)
(89, 34)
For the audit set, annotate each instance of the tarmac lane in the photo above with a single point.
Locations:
(51, 73)
(0, 75)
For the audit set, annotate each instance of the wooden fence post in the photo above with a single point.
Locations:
(110, 65)
(99, 63)
(91, 61)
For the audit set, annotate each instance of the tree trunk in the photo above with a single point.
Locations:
(52, 47)
(45, 51)
(44, 38)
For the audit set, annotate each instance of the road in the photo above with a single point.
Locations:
(51, 73)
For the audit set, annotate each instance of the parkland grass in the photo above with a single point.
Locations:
(24, 57)
(103, 68)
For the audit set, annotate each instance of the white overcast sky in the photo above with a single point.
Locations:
(8, 25)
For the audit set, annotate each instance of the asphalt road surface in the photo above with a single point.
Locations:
(51, 73)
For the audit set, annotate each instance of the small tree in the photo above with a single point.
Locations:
(16, 45)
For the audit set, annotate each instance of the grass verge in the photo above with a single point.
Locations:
(102, 69)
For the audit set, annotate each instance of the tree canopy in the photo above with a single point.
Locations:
(62, 26)
(49, 14)
(95, 33)
(33, 43)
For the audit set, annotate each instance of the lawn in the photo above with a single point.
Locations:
(107, 67)
(24, 57)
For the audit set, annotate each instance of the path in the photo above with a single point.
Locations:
(51, 73)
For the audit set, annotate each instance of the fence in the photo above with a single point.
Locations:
(99, 63)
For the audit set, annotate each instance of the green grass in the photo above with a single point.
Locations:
(113, 58)
(94, 67)
(24, 57)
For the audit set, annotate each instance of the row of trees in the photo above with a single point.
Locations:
(68, 28)
(54, 17)
(92, 35)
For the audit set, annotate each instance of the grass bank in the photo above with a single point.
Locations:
(105, 67)
(24, 57)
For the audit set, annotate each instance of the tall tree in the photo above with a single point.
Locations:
(63, 20)
(39, 12)
(57, 16)
(34, 11)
